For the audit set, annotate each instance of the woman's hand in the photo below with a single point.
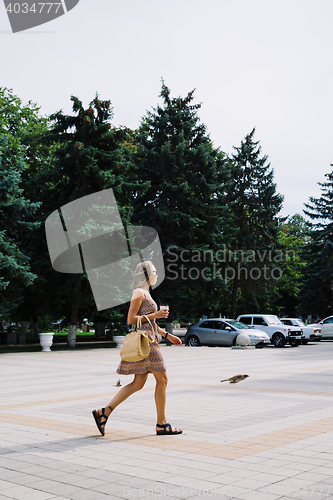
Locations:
(162, 313)
(175, 340)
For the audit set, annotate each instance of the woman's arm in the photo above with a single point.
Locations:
(162, 332)
(173, 338)
(162, 313)
(136, 301)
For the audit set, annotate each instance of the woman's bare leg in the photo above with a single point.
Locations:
(137, 384)
(160, 397)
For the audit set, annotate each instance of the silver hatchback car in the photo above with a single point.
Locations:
(222, 332)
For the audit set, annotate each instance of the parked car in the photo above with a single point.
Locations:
(309, 332)
(222, 332)
(326, 326)
(279, 334)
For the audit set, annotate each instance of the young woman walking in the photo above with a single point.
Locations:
(143, 305)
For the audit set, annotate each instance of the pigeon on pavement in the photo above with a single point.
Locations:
(235, 379)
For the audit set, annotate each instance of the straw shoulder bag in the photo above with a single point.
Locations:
(136, 344)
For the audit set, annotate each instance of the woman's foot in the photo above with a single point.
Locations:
(100, 419)
(166, 429)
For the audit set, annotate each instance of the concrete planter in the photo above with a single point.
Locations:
(46, 340)
(119, 339)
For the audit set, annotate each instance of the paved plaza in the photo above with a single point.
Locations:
(268, 437)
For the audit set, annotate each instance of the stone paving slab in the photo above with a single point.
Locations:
(268, 437)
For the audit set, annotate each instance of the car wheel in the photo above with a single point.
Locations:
(296, 343)
(279, 340)
(259, 346)
(193, 341)
(304, 342)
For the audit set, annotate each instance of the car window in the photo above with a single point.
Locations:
(286, 322)
(239, 324)
(273, 320)
(245, 319)
(208, 324)
(259, 321)
(328, 320)
(219, 325)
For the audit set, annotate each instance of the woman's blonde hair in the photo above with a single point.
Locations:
(142, 274)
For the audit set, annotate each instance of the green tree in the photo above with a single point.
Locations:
(316, 292)
(15, 225)
(293, 238)
(186, 179)
(91, 156)
(254, 205)
(19, 126)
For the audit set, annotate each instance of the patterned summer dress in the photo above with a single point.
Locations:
(155, 361)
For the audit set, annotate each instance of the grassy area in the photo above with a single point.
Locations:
(59, 337)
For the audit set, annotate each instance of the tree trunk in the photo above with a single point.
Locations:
(109, 332)
(234, 298)
(23, 331)
(35, 325)
(168, 322)
(24, 327)
(169, 327)
(71, 338)
(99, 330)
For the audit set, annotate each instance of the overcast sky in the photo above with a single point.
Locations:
(259, 63)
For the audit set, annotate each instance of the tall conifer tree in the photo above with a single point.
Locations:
(316, 296)
(254, 205)
(16, 224)
(20, 124)
(293, 239)
(186, 175)
(92, 155)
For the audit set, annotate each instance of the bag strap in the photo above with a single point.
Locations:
(148, 321)
(139, 325)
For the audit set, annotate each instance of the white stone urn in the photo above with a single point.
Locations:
(46, 340)
(119, 339)
(242, 339)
